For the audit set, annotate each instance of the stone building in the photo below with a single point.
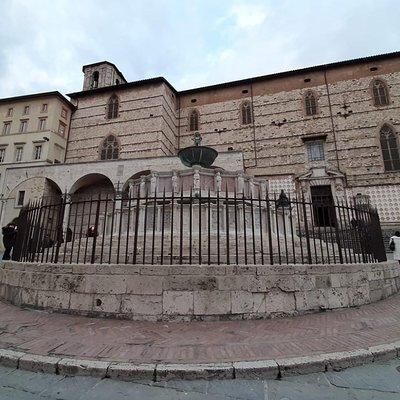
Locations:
(326, 131)
(34, 131)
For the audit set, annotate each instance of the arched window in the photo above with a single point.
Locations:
(194, 121)
(109, 148)
(112, 107)
(95, 80)
(310, 103)
(380, 93)
(247, 117)
(390, 149)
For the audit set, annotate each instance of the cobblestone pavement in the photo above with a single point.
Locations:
(369, 382)
(39, 332)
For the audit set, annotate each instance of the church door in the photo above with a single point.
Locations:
(323, 205)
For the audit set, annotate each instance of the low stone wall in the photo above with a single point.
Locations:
(195, 292)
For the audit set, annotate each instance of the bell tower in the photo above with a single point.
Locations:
(101, 74)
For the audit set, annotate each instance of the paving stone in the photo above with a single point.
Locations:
(37, 363)
(68, 366)
(129, 372)
(341, 360)
(256, 369)
(194, 371)
(301, 365)
(9, 358)
(385, 352)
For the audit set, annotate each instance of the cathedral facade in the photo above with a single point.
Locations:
(328, 131)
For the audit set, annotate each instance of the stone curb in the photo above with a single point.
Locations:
(262, 369)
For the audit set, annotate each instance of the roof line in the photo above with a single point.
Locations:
(240, 81)
(294, 72)
(158, 79)
(38, 95)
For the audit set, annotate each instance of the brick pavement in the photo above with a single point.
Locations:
(39, 332)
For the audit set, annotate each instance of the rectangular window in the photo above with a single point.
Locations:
(10, 112)
(6, 128)
(61, 128)
(44, 107)
(21, 198)
(42, 124)
(64, 113)
(23, 127)
(19, 151)
(26, 110)
(2, 154)
(37, 152)
(315, 151)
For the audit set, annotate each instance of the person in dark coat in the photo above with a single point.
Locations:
(9, 235)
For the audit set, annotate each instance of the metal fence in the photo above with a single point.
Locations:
(197, 227)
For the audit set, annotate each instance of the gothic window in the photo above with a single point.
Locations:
(112, 107)
(95, 80)
(390, 149)
(109, 148)
(194, 121)
(246, 113)
(380, 93)
(310, 103)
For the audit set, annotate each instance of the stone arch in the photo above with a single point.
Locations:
(135, 177)
(29, 190)
(92, 184)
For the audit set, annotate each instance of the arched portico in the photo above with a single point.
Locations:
(91, 185)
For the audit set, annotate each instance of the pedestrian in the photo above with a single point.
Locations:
(394, 245)
(9, 235)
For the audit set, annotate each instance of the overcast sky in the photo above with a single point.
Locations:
(44, 43)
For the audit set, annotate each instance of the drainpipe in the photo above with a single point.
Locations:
(69, 129)
(332, 123)
(179, 122)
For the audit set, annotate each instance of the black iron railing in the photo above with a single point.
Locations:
(197, 227)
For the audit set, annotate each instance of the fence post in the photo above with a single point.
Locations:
(337, 233)
(59, 229)
(96, 225)
(309, 257)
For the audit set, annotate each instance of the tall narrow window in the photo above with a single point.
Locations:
(6, 128)
(2, 154)
(112, 107)
(380, 93)
(95, 80)
(19, 151)
(21, 198)
(194, 121)
(390, 149)
(310, 103)
(23, 126)
(247, 117)
(64, 113)
(37, 152)
(61, 128)
(42, 124)
(26, 110)
(10, 112)
(44, 107)
(110, 148)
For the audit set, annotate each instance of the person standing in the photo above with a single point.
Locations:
(394, 245)
(9, 235)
